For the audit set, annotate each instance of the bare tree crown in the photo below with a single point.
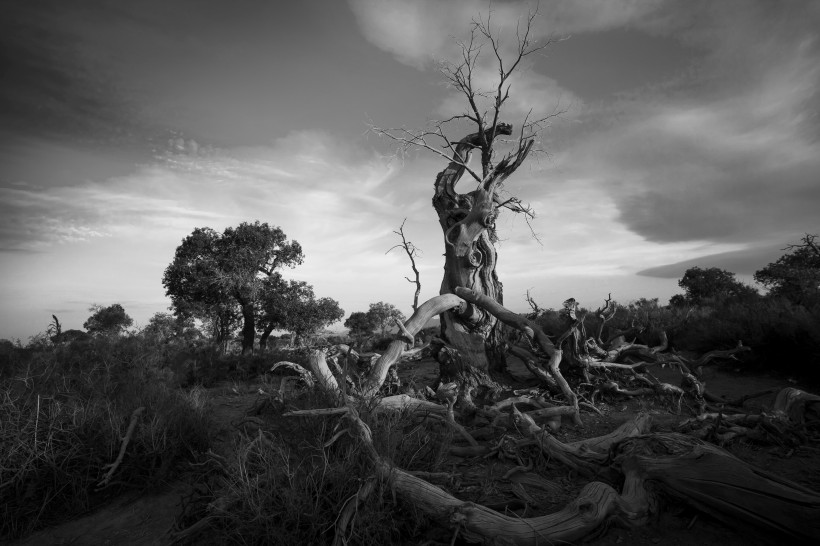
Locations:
(483, 106)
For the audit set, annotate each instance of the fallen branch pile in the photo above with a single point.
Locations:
(629, 467)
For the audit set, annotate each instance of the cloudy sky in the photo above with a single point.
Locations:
(690, 136)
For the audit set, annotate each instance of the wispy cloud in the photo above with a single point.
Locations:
(303, 180)
(421, 33)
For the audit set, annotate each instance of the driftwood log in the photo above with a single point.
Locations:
(629, 467)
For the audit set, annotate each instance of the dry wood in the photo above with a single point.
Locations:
(349, 510)
(706, 359)
(406, 403)
(533, 332)
(794, 404)
(112, 467)
(413, 325)
(590, 457)
(596, 503)
(784, 425)
(303, 373)
(531, 363)
(721, 485)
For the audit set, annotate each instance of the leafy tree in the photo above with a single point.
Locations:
(219, 321)
(292, 306)
(360, 324)
(225, 271)
(382, 315)
(795, 275)
(107, 320)
(713, 284)
(165, 328)
(678, 300)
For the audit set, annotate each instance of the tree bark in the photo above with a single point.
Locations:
(468, 224)
(248, 326)
(263, 338)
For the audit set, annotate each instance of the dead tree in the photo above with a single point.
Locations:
(412, 251)
(472, 352)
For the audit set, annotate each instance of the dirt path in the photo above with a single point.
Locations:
(146, 520)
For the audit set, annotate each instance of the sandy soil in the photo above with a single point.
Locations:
(146, 520)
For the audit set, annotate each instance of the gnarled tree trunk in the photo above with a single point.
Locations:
(473, 337)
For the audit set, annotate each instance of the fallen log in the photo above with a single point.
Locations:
(797, 406)
(595, 505)
(717, 483)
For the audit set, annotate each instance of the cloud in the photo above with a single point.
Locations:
(418, 33)
(533, 95)
(58, 78)
(306, 179)
(339, 202)
(724, 151)
(35, 218)
(728, 152)
(741, 262)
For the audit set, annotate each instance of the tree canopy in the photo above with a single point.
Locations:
(107, 320)
(166, 328)
(705, 285)
(383, 315)
(227, 269)
(359, 323)
(795, 275)
(293, 306)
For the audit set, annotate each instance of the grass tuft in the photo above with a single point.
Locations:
(284, 485)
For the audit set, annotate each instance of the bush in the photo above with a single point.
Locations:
(784, 337)
(339, 339)
(64, 412)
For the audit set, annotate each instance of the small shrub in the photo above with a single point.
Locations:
(337, 340)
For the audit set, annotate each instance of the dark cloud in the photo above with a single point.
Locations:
(741, 262)
(728, 205)
(727, 151)
(52, 84)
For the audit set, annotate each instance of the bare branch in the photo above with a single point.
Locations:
(536, 310)
(412, 251)
(808, 241)
(409, 139)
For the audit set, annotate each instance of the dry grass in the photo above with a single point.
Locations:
(63, 413)
(288, 481)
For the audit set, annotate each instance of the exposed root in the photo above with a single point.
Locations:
(784, 425)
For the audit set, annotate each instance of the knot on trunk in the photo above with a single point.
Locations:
(480, 217)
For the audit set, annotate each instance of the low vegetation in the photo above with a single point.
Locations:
(65, 411)
(70, 397)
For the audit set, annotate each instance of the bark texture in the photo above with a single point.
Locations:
(468, 223)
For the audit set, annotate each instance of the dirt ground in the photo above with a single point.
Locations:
(134, 520)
